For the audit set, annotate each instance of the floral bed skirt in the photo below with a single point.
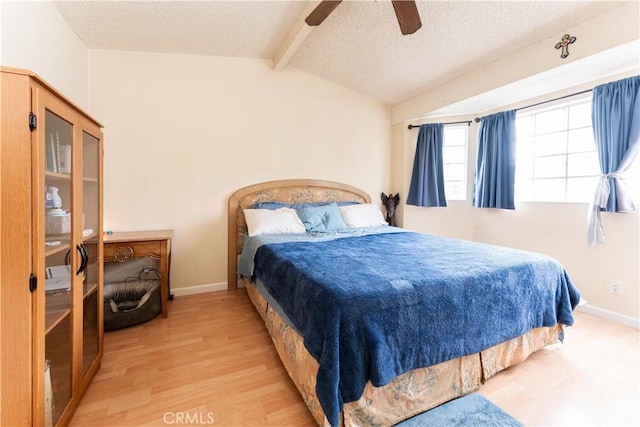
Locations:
(409, 394)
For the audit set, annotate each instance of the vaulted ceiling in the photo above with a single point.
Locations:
(358, 46)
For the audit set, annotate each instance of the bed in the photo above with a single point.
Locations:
(376, 336)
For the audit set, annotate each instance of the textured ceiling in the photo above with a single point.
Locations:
(358, 46)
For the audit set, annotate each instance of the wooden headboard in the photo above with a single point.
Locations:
(286, 191)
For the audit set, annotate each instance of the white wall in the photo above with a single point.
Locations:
(183, 132)
(35, 36)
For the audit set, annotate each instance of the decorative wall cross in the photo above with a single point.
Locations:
(564, 44)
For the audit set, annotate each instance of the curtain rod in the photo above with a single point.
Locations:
(467, 122)
(477, 119)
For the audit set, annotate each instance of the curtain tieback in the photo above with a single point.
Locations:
(603, 188)
(616, 175)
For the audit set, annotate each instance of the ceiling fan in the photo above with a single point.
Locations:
(406, 12)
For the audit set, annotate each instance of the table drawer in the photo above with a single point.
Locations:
(122, 252)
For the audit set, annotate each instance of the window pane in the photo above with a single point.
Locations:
(551, 121)
(548, 167)
(455, 135)
(524, 189)
(581, 140)
(454, 154)
(580, 115)
(524, 169)
(581, 189)
(524, 127)
(524, 150)
(633, 180)
(553, 143)
(454, 172)
(454, 190)
(582, 164)
(454, 157)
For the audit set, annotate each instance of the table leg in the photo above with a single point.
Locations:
(164, 277)
(169, 273)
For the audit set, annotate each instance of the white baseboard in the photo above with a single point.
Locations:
(199, 289)
(632, 322)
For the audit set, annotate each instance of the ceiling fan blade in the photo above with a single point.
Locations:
(408, 16)
(321, 12)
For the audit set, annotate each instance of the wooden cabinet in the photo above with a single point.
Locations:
(51, 269)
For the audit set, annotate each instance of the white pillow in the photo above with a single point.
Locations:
(273, 221)
(362, 215)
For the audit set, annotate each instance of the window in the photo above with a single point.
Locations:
(633, 180)
(556, 154)
(454, 158)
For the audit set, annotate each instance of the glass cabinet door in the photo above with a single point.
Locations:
(90, 228)
(58, 269)
(66, 252)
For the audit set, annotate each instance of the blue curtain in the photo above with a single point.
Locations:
(496, 164)
(427, 180)
(615, 117)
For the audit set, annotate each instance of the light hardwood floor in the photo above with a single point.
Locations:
(211, 362)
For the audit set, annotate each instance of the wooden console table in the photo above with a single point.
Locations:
(128, 245)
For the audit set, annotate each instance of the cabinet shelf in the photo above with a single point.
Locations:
(54, 249)
(57, 175)
(88, 237)
(53, 318)
(57, 307)
(89, 288)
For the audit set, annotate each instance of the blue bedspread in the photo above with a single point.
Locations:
(373, 307)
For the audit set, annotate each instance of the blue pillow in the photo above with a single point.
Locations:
(322, 219)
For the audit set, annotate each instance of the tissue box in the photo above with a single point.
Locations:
(58, 224)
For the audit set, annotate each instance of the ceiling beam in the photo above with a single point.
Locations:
(297, 35)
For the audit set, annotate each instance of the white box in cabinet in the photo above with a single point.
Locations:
(58, 224)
